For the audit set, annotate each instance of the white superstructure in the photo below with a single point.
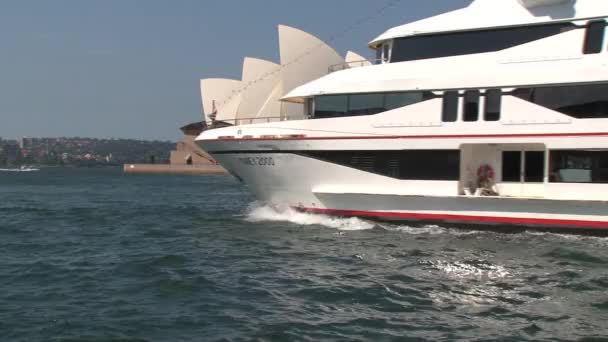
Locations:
(495, 113)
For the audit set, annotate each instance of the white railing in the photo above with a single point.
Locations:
(250, 121)
(348, 65)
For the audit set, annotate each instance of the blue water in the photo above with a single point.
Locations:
(94, 255)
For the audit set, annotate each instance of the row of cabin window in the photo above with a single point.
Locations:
(471, 105)
(565, 166)
(331, 106)
(588, 101)
(492, 40)
(585, 101)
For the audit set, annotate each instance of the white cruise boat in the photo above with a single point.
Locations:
(494, 114)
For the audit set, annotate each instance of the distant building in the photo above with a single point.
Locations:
(187, 152)
(10, 153)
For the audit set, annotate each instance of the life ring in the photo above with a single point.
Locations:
(485, 173)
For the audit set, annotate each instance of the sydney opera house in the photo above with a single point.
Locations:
(255, 98)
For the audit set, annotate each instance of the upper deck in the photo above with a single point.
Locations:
(492, 14)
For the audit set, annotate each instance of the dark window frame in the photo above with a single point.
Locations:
(533, 173)
(471, 42)
(425, 95)
(449, 108)
(470, 105)
(421, 165)
(594, 37)
(493, 105)
(508, 169)
(593, 161)
(592, 99)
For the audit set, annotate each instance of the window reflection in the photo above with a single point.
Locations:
(576, 166)
(328, 106)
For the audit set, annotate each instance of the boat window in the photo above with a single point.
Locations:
(398, 100)
(580, 101)
(511, 166)
(534, 166)
(366, 104)
(308, 107)
(594, 38)
(464, 43)
(331, 106)
(471, 106)
(578, 166)
(386, 50)
(493, 104)
(437, 165)
(450, 106)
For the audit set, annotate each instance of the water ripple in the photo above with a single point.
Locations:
(191, 259)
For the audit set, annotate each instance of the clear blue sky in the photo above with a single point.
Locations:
(131, 68)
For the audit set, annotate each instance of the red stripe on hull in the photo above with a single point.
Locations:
(459, 136)
(559, 223)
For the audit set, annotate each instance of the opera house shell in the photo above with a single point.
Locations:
(255, 98)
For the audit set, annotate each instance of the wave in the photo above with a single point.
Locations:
(266, 213)
(19, 170)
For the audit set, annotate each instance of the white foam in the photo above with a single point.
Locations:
(429, 229)
(265, 213)
(464, 270)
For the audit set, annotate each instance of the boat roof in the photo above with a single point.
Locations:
(487, 14)
(422, 76)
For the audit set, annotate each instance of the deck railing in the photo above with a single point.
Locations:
(350, 65)
(258, 120)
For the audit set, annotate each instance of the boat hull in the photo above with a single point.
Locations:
(311, 185)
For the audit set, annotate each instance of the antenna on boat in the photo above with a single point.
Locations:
(213, 114)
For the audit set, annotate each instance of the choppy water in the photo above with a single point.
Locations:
(92, 255)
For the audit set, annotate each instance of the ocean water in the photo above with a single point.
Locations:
(94, 255)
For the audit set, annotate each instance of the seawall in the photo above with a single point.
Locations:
(209, 169)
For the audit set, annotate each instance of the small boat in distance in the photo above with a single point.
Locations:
(23, 168)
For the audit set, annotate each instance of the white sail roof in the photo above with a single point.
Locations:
(354, 59)
(260, 77)
(304, 58)
(225, 94)
(498, 13)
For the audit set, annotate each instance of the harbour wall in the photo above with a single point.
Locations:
(205, 169)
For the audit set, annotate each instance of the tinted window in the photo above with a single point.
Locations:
(386, 52)
(331, 106)
(366, 104)
(493, 104)
(463, 43)
(511, 166)
(410, 165)
(450, 107)
(594, 38)
(574, 166)
(580, 101)
(471, 105)
(397, 100)
(535, 166)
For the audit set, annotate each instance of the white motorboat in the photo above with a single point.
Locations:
(494, 114)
